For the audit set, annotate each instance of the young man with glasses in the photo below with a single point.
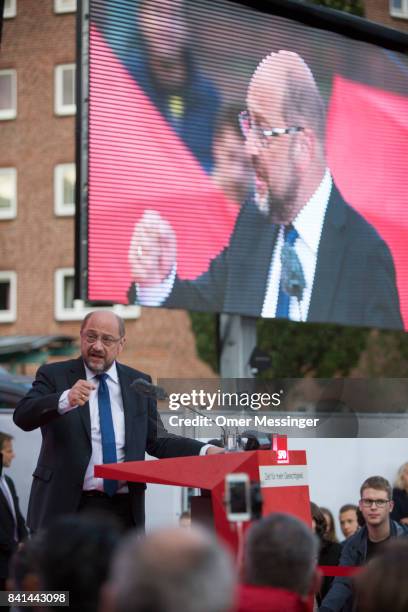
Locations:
(376, 505)
(90, 414)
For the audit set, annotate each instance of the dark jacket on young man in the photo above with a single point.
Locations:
(339, 598)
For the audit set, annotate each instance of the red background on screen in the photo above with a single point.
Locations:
(137, 162)
(367, 148)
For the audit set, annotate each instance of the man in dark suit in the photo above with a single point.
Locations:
(89, 414)
(298, 251)
(12, 525)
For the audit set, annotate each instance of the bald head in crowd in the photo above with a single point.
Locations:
(281, 552)
(171, 570)
(289, 163)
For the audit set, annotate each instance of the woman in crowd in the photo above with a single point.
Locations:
(329, 551)
(330, 528)
(400, 495)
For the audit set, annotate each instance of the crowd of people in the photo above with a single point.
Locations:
(172, 569)
(284, 567)
(87, 533)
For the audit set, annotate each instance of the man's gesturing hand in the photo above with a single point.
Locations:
(152, 251)
(79, 394)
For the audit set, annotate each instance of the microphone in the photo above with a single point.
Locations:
(148, 389)
(248, 440)
(292, 278)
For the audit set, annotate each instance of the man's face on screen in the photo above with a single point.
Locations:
(277, 176)
(101, 342)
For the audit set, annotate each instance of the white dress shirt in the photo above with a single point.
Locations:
(118, 419)
(308, 224)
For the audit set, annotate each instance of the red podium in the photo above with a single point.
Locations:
(284, 487)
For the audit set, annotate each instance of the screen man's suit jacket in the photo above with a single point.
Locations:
(66, 439)
(354, 281)
(7, 541)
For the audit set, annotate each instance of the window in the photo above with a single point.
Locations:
(10, 9)
(68, 309)
(8, 193)
(64, 190)
(65, 6)
(8, 297)
(8, 94)
(65, 90)
(399, 8)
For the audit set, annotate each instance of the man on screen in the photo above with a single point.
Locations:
(298, 251)
(89, 413)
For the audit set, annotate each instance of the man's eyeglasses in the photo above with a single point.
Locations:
(262, 134)
(106, 340)
(380, 503)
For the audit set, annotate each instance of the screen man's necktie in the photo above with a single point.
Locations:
(292, 281)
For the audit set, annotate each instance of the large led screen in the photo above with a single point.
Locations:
(244, 162)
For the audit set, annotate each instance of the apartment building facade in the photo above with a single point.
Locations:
(391, 13)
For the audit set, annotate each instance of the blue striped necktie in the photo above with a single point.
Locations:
(107, 432)
(282, 309)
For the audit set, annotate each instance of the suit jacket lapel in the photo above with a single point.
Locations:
(130, 409)
(5, 503)
(76, 372)
(263, 250)
(329, 258)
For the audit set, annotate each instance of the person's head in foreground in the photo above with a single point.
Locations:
(24, 569)
(382, 586)
(281, 552)
(170, 570)
(74, 555)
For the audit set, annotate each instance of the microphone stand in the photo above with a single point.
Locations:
(148, 389)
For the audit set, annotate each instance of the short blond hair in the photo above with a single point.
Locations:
(399, 483)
